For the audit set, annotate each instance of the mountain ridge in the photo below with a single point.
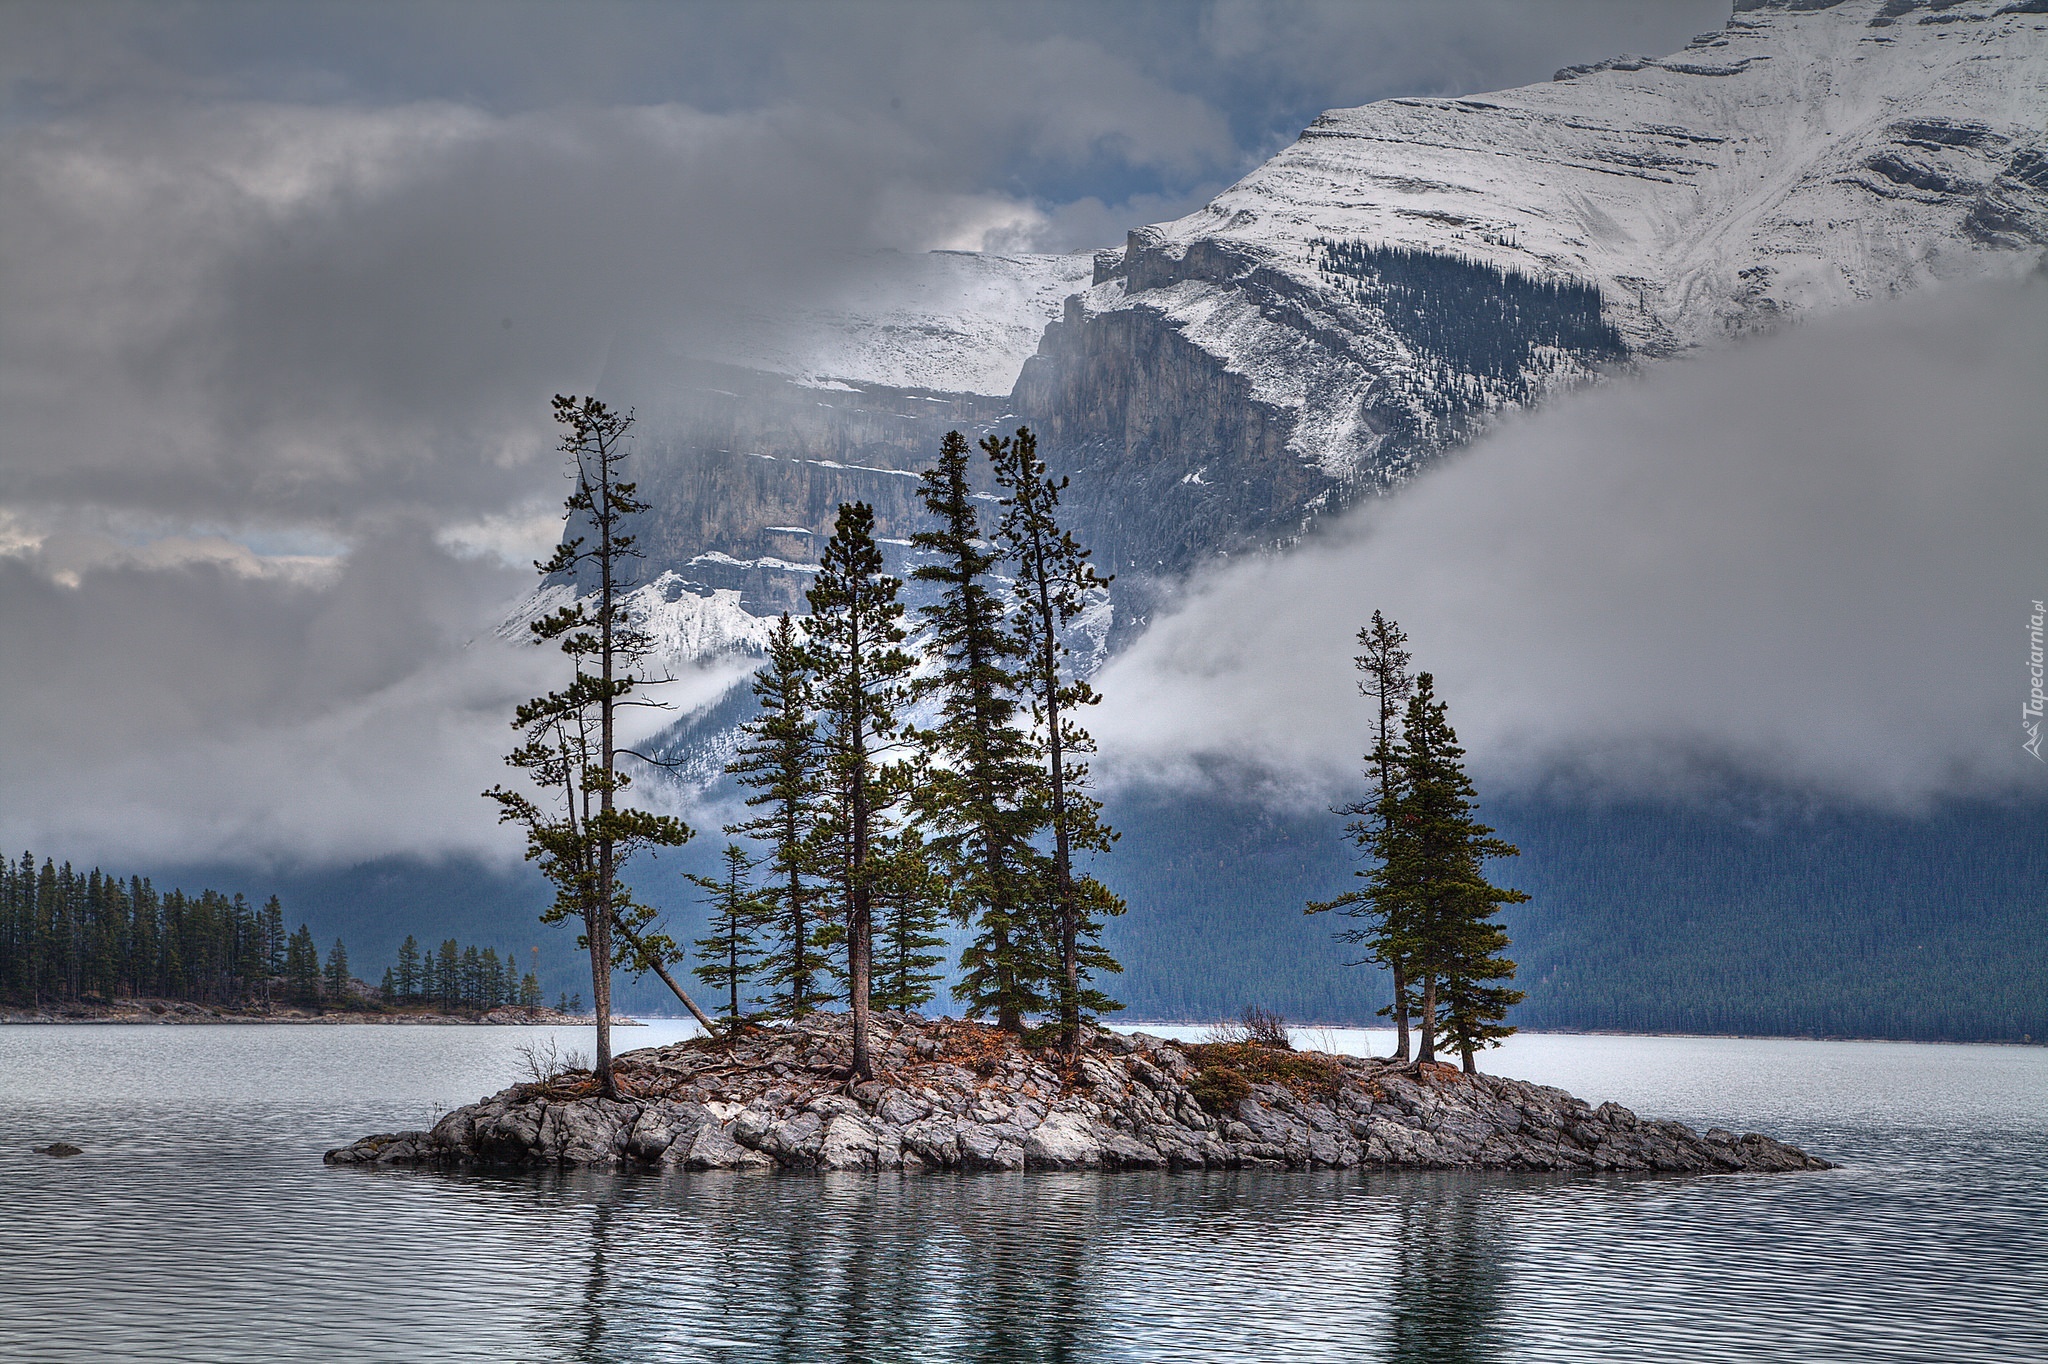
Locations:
(1221, 383)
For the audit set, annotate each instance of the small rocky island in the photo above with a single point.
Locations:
(964, 1096)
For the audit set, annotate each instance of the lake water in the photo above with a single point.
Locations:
(200, 1225)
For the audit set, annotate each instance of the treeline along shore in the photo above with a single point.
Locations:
(80, 946)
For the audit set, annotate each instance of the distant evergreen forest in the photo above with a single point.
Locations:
(70, 937)
(1643, 918)
(1478, 317)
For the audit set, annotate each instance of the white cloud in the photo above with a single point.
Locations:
(1803, 561)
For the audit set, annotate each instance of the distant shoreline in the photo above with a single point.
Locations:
(159, 1011)
(1293, 1027)
(175, 1011)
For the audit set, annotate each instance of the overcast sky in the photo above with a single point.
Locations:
(284, 289)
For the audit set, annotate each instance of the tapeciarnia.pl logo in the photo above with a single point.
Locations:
(2030, 714)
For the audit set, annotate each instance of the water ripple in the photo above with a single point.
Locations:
(199, 1224)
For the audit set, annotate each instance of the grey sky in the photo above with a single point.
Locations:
(284, 290)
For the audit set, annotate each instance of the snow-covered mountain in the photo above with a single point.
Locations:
(1373, 296)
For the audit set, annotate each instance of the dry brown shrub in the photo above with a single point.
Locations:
(1307, 1075)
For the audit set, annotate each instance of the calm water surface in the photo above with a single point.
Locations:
(200, 1225)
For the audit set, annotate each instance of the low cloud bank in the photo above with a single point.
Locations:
(1805, 562)
(224, 707)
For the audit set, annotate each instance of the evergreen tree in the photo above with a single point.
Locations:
(388, 990)
(979, 787)
(272, 917)
(302, 967)
(1431, 883)
(1054, 581)
(529, 991)
(1388, 686)
(910, 896)
(859, 674)
(732, 949)
(407, 975)
(491, 977)
(337, 977)
(779, 761)
(448, 975)
(571, 746)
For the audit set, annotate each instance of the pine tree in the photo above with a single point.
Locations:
(302, 966)
(407, 975)
(732, 949)
(388, 990)
(1431, 881)
(979, 785)
(1388, 686)
(337, 977)
(910, 895)
(779, 760)
(859, 675)
(272, 916)
(448, 975)
(571, 745)
(1053, 585)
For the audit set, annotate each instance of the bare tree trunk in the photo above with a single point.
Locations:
(859, 954)
(1426, 1053)
(601, 961)
(633, 940)
(859, 895)
(1400, 1012)
(1465, 1054)
(595, 927)
(1063, 853)
(1008, 1016)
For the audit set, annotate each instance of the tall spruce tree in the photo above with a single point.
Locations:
(980, 789)
(1053, 583)
(731, 950)
(302, 967)
(860, 675)
(335, 979)
(448, 974)
(407, 975)
(1432, 879)
(1388, 686)
(779, 761)
(272, 915)
(571, 748)
(910, 897)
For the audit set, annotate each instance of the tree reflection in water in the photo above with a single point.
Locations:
(1022, 1268)
(1445, 1289)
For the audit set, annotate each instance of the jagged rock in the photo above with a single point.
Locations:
(964, 1096)
(716, 1149)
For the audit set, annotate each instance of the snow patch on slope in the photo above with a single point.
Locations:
(947, 321)
(688, 624)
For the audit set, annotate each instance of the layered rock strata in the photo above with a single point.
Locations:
(961, 1096)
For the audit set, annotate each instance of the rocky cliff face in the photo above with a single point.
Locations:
(1375, 295)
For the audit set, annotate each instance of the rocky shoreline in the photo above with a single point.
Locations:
(184, 1011)
(955, 1095)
